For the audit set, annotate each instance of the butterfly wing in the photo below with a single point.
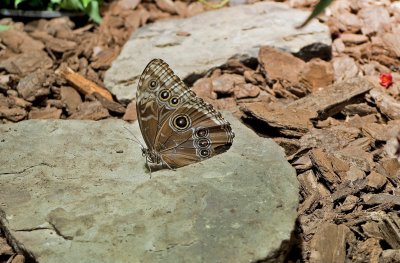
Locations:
(180, 127)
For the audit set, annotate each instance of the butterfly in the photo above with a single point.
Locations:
(178, 127)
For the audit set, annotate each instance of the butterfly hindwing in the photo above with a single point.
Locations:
(177, 126)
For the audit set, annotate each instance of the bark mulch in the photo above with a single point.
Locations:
(335, 110)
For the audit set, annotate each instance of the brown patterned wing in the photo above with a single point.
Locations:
(152, 108)
(176, 125)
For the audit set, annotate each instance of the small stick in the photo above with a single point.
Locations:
(82, 84)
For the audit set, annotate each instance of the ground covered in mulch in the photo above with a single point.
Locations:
(337, 116)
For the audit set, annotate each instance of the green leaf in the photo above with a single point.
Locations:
(17, 2)
(72, 5)
(5, 27)
(87, 2)
(317, 10)
(93, 11)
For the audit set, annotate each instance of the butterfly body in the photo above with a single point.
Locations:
(178, 127)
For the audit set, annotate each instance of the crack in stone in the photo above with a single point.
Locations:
(58, 232)
(27, 168)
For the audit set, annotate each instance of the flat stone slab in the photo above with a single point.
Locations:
(78, 191)
(213, 37)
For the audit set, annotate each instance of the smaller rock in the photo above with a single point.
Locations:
(92, 110)
(130, 113)
(375, 181)
(45, 113)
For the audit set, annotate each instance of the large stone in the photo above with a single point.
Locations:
(213, 37)
(78, 191)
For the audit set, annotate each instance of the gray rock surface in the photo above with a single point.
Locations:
(78, 191)
(215, 36)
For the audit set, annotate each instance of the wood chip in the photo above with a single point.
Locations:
(84, 85)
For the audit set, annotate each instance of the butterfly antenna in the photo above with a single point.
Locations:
(136, 140)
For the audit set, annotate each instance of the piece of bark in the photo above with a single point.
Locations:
(18, 259)
(344, 68)
(226, 83)
(324, 168)
(289, 145)
(204, 88)
(92, 110)
(288, 121)
(356, 156)
(246, 91)
(130, 113)
(349, 38)
(55, 44)
(371, 229)
(104, 58)
(317, 74)
(32, 86)
(386, 104)
(390, 256)
(390, 228)
(20, 41)
(280, 65)
(167, 6)
(308, 183)
(27, 62)
(71, 98)
(348, 188)
(5, 248)
(381, 198)
(84, 85)
(390, 167)
(329, 243)
(331, 139)
(110, 105)
(333, 99)
(361, 109)
(349, 203)
(13, 114)
(45, 113)
(374, 18)
(365, 251)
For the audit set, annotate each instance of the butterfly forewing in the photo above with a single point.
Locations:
(176, 125)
